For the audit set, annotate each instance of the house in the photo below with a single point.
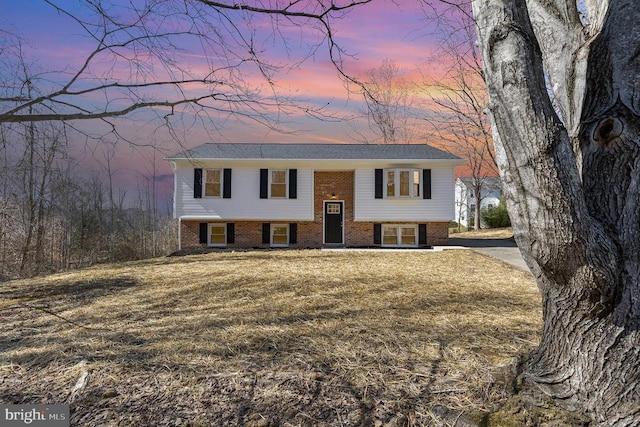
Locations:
(313, 195)
(466, 190)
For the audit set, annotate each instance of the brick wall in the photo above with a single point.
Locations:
(190, 234)
(437, 233)
(334, 185)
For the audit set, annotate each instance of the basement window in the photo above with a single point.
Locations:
(399, 235)
(279, 235)
(217, 234)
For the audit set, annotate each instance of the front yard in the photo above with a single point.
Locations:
(271, 338)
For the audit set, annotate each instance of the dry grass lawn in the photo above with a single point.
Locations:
(271, 338)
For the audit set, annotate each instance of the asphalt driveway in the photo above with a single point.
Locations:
(503, 249)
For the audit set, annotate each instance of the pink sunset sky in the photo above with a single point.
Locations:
(369, 33)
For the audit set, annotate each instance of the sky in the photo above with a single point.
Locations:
(57, 45)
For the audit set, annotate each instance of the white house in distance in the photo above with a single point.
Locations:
(466, 200)
(239, 195)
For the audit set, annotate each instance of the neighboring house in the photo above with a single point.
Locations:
(466, 200)
(313, 195)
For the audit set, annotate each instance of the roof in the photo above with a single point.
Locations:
(490, 182)
(253, 151)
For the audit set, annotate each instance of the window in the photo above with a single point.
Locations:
(279, 235)
(391, 184)
(408, 237)
(278, 183)
(333, 208)
(399, 235)
(212, 182)
(403, 182)
(217, 234)
(390, 235)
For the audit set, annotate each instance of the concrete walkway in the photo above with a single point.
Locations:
(502, 249)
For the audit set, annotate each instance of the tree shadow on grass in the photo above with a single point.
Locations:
(36, 319)
(81, 290)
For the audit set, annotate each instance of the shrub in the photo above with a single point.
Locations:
(496, 216)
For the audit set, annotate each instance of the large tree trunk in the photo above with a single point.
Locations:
(572, 186)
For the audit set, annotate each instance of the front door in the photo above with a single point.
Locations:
(333, 222)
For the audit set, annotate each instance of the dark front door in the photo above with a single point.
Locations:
(333, 219)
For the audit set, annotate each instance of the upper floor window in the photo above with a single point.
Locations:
(212, 182)
(391, 183)
(403, 182)
(278, 183)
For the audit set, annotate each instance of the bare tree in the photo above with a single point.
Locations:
(571, 183)
(187, 63)
(389, 105)
(139, 56)
(457, 100)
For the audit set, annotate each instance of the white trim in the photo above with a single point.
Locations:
(342, 161)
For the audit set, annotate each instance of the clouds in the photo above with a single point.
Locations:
(274, 76)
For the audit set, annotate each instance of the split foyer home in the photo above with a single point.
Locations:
(313, 195)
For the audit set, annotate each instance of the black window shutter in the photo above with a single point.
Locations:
(226, 183)
(377, 234)
(264, 184)
(378, 184)
(426, 183)
(293, 183)
(293, 233)
(204, 231)
(231, 232)
(422, 234)
(197, 183)
(266, 233)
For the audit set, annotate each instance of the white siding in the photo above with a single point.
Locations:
(245, 202)
(439, 208)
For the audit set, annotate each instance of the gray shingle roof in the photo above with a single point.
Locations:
(254, 151)
(490, 183)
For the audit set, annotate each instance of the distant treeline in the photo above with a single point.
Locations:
(53, 220)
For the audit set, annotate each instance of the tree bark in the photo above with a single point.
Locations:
(573, 192)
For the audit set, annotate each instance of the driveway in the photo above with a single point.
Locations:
(503, 249)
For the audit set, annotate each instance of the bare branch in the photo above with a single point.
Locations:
(139, 59)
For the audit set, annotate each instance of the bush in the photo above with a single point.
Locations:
(496, 216)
